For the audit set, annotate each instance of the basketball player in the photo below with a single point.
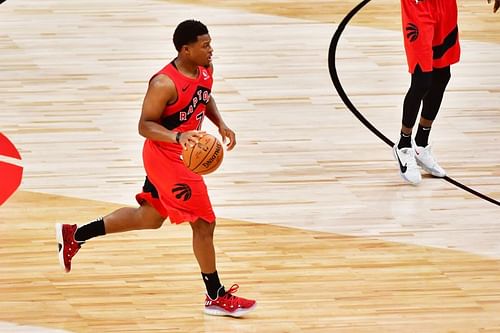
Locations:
(431, 45)
(176, 102)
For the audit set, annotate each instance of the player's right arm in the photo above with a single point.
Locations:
(161, 92)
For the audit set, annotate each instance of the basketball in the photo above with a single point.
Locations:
(10, 174)
(204, 157)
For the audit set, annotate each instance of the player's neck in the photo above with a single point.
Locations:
(186, 68)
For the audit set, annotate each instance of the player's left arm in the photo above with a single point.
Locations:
(212, 112)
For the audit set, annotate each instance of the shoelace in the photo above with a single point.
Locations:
(229, 298)
(234, 288)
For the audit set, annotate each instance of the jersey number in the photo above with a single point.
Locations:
(199, 117)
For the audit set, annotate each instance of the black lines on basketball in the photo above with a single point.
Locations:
(205, 156)
(204, 147)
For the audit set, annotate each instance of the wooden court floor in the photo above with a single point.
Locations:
(304, 281)
(314, 222)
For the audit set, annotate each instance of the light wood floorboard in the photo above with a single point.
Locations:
(314, 221)
(304, 281)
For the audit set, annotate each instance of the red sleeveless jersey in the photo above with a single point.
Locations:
(162, 160)
(187, 112)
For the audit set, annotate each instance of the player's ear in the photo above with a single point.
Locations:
(185, 49)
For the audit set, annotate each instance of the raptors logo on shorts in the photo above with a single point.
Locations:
(411, 32)
(182, 191)
(431, 33)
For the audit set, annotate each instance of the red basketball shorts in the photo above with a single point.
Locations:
(171, 188)
(430, 33)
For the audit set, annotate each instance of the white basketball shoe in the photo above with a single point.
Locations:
(408, 168)
(424, 158)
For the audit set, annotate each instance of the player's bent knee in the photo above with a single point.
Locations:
(154, 224)
(441, 76)
(203, 229)
(149, 217)
(420, 84)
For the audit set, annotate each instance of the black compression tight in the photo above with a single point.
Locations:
(432, 101)
(428, 87)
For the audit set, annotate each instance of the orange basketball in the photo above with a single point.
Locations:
(205, 157)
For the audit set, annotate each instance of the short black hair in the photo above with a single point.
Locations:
(187, 32)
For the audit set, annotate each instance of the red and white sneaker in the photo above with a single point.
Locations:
(67, 245)
(229, 305)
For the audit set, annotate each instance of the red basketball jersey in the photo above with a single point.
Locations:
(187, 112)
(171, 188)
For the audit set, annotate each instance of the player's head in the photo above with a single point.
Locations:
(192, 41)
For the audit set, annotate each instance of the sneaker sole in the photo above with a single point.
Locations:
(60, 245)
(435, 174)
(237, 313)
(407, 180)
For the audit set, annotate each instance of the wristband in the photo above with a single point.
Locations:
(178, 137)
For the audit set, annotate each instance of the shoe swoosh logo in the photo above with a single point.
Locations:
(401, 166)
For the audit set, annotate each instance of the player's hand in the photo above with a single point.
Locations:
(496, 5)
(190, 138)
(227, 133)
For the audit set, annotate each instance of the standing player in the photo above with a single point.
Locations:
(177, 100)
(431, 45)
